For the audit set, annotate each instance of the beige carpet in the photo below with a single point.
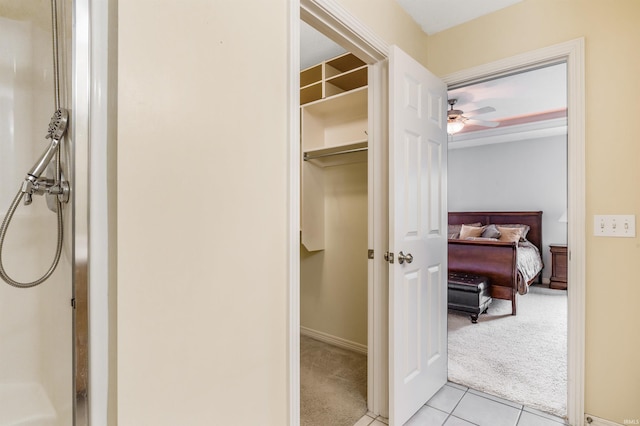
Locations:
(333, 384)
(521, 358)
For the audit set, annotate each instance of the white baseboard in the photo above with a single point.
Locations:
(333, 340)
(595, 421)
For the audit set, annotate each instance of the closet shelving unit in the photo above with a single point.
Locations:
(334, 123)
(332, 77)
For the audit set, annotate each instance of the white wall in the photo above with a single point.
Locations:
(525, 175)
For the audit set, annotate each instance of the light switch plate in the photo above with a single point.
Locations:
(614, 225)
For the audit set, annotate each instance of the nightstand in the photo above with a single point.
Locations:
(558, 266)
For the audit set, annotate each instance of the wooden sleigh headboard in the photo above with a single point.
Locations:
(533, 219)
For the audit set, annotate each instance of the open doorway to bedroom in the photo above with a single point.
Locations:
(510, 155)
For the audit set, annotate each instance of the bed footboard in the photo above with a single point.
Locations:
(493, 259)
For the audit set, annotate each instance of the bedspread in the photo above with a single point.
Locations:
(529, 265)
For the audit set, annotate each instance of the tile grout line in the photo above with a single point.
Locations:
(522, 407)
(476, 393)
(499, 402)
(557, 419)
(519, 416)
(456, 406)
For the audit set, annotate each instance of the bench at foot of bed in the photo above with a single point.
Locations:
(469, 293)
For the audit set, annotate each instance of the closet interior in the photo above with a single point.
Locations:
(334, 210)
(333, 122)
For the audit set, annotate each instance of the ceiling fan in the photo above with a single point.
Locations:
(457, 119)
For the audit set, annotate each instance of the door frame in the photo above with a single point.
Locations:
(343, 28)
(338, 24)
(571, 52)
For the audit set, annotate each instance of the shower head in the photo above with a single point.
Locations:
(57, 128)
(58, 124)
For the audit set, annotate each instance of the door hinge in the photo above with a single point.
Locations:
(73, 303)
(370, 254)
(388, 257)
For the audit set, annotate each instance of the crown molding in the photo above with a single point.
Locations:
(515, 133)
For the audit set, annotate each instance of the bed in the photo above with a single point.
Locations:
(510, 266)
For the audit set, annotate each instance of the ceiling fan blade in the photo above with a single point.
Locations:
(479, 111)
(482, 123)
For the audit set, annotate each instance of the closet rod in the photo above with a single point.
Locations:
(330, 154)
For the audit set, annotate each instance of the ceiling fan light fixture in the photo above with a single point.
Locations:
(454, 126)
(456, 119)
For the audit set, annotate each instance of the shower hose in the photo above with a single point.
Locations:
(20, 194)
(3, 232)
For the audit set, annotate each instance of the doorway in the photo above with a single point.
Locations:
(571, 52)
(334, 231)
(367, 49)
(334, 206)
(333, 20)
(515, 146)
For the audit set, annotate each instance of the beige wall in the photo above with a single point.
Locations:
(202, 213)
(390, 22)
(333, 281)
(611, 34)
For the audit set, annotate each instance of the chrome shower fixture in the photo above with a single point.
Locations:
(33, 183)
(53, 186)
(58, 124)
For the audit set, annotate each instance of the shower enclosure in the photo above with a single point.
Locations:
(37, 351)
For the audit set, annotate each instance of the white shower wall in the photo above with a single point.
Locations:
(35, 324)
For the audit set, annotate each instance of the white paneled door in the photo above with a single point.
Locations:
(418, 236)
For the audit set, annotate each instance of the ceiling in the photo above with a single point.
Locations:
(528, 105)
(315, 47)
(432, 16)
(531, 104)
(438, 15)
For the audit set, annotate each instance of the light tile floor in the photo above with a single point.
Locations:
(456, 405)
